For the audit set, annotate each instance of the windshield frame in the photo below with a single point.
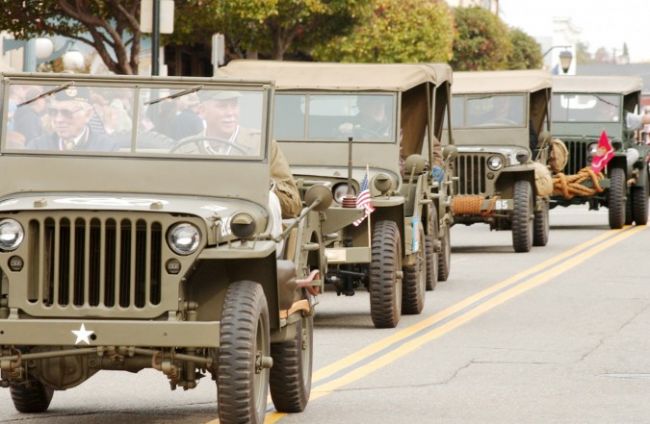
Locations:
(621, 107)
(136, 84)
(471, 96)
(306, 94)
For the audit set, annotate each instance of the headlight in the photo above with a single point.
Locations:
(184, 238)
(243, 225)
(592, 149)
(11, 235)
(340, 191)
(495, 163)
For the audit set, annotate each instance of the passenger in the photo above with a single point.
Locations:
(70, 113)
(187, 121)
(28, 117)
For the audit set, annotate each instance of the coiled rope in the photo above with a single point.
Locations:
(569, 186)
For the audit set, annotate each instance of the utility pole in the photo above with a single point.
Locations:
(155, 38)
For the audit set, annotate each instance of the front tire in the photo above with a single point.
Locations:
(640, 204)
(415, 279)
(385, 283)
(430, 246)
(292, 365)
(31, 397)
(444, 257)
(244, 354)
(541, 226)
(522, 217)
(616, 198)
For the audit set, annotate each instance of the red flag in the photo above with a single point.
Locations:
(604, 153)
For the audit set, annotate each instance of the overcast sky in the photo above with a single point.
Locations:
(604, 23)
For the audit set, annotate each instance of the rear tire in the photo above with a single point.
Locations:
(385, 283)
(541, 226)
(244, 342)
(414, 285)
(444, 257)
(616, 198)
(31, 397)
(430, 246)
(640, 204)
(522, 217)
(292, 365)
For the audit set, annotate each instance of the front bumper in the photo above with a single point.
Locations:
(468, 205)
(60, 332)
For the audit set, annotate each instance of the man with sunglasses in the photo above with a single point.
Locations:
(70, 113)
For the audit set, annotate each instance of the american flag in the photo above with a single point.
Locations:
(364, 200)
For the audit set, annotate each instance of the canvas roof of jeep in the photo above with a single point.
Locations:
(500, 81)
(339, 76)
(597, 84)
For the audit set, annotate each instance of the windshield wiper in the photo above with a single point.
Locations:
(606, 101)
(47, 93)
(175, 95)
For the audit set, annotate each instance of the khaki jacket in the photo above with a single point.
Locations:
(284, 184)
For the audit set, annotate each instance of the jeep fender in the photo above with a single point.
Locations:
(506, 180)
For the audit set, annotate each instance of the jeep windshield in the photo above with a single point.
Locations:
(568, 107)
(488, 111)
(60, 117)
(368, 117)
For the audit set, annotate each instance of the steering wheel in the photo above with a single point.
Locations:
(200, 142)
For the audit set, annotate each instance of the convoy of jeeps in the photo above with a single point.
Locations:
(135, 235)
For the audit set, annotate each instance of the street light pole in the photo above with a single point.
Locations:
(155, 38)
(565, 56)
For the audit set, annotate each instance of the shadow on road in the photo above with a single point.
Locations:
(580, 227)
(482, 249)
(343, 321)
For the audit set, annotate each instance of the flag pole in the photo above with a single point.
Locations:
(369, 225)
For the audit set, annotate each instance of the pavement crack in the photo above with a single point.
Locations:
(605, 338)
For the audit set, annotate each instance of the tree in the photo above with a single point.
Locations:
(111, 27)
(270, 28)
(396, 31)
(583, 56)
(602, 55)
(481, 42)
(526, 52)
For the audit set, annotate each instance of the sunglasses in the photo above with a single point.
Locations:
(65, 113)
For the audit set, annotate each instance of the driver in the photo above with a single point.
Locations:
(220, 111)
(70, 113)
(373, 120)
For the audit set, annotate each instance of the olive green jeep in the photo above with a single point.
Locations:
(583, 107)
(499, 118)
(122, 249)
(370, 131)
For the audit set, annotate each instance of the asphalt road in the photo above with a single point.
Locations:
(558, 335)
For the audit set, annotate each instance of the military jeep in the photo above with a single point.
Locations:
(119, 252)
(583, 107)
(498, 118)
(370, 128)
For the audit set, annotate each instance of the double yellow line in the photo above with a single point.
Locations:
(464, 311)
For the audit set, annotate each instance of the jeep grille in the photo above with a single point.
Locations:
(577, 156)
(471, 171)
(92, 262)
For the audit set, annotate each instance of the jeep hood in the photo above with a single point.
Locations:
(210, 209)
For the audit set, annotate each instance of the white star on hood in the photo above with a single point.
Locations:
(83, 335)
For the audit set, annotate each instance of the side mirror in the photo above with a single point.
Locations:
(415, 163)
(449, 152)
(319, 194)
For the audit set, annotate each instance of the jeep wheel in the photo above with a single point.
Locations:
(616, 198)
(444, 257)
(522, 217)
(640, 204)
(31, 397)
(243, 357)
(292, 364)
(385, 283)
(541, 225)
(415, 279)
(430, 246)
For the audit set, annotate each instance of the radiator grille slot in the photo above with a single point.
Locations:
(96, 262)
(471, 172)
(577, 156)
